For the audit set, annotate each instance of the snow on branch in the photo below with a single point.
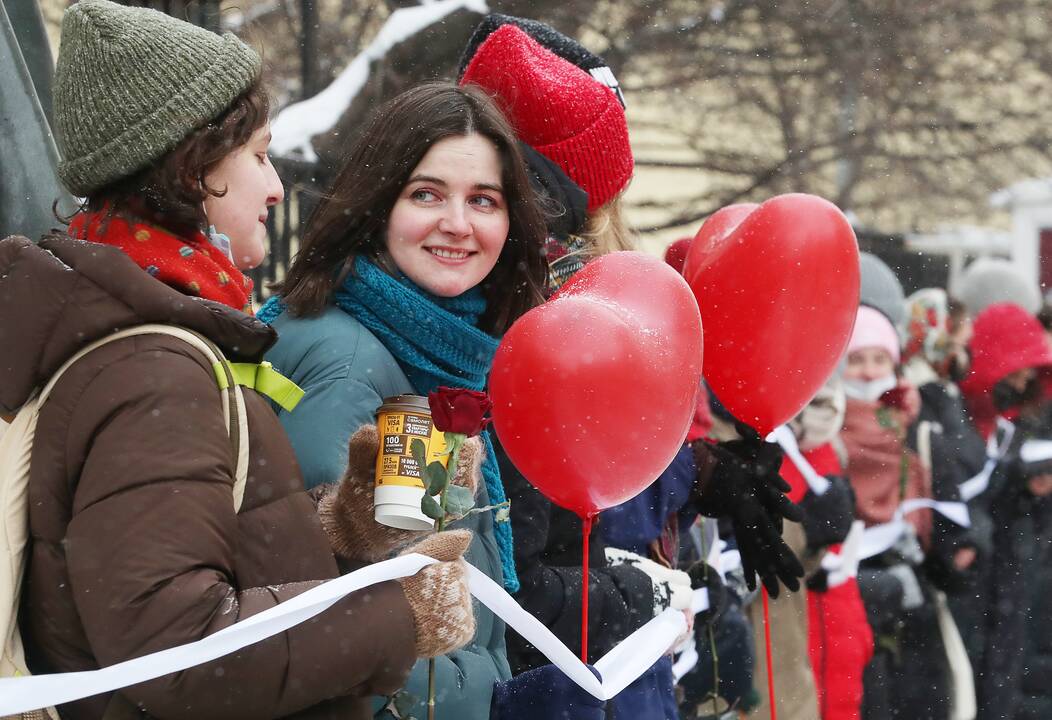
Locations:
(295, 125)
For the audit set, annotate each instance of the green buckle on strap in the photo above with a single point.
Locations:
(265, 380)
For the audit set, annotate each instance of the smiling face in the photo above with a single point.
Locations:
(450, 222)
(251, 186)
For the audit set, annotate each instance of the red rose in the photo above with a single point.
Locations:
(457, 410)
(896, 398)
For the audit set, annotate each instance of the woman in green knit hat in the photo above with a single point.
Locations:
(141, 539)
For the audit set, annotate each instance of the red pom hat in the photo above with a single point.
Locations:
(558, 109)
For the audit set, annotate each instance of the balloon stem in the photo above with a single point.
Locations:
(587, 530)
(770, 660)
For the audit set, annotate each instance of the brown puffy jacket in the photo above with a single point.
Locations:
(135, 543)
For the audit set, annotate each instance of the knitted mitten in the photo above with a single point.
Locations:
(438, 595)
(671, 587)
(346, 510)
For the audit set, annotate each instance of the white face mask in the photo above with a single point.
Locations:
(869, 390)
(822, 418)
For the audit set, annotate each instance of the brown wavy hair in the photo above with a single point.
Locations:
(351, 219)
(172, 190)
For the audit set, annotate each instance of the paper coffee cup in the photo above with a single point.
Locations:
(399, 480)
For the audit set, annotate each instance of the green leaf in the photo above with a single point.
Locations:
(418, 451)
(436, 477)
(459, 500)
(430, 507)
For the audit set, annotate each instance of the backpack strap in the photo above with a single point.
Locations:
(265, 380)
(234, 414)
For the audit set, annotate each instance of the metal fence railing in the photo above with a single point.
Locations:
(303, 189)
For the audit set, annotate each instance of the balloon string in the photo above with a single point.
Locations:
(587, 525)
(770, 661)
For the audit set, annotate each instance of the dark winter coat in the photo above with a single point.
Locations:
(1015, 677)
(648, 525)
(650, 522)
(907, 677)
(944, 405)
(135, 543)
(947, 474)
(959, 456)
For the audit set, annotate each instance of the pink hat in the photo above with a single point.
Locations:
(873, 329)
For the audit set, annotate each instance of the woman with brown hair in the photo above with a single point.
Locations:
(147, 530)
(419, 258)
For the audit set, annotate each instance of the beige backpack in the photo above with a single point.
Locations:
(16, 446)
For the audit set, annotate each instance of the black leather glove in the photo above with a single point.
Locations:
(705, 576)
(819, 581)
(746, 486)
(828, 517)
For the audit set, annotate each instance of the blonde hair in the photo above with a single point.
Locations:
(605, 230)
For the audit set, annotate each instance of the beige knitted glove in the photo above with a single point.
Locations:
(346, 510)
(438, 595)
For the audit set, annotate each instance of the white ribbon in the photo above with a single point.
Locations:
(1036, 451)
(879, 538)
(619, 668)
(842, 566)
(787, 440)
(687, 660)
(977, 485)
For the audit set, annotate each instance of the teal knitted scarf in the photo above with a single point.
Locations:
(436, 342)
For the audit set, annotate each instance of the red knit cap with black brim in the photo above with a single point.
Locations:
(558, 109)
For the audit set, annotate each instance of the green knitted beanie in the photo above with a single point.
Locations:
(131, 83)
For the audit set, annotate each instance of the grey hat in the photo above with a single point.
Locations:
(992, 280)
(131, 83)
(880, 289)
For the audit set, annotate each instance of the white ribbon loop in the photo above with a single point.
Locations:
(787, 440)
(995, 450)
(619, 668)
(879, 538)
(842, 566)
(1036, 451)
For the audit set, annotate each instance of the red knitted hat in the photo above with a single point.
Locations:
(558, 109)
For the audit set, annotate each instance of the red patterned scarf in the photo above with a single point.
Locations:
(191, 265)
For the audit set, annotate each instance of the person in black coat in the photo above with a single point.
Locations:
(1015, 678)
(937, 335)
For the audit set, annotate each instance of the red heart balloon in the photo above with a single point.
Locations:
(714, 231)
(777, 286)
(594, 391)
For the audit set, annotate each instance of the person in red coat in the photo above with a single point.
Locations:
(840, 641)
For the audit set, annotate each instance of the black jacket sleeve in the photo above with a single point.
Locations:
(947, 536)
